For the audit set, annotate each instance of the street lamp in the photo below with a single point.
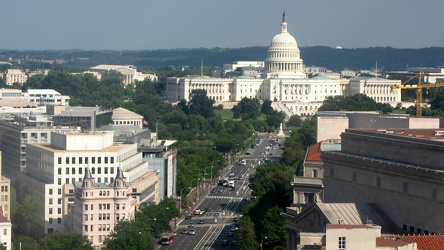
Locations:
(197, 189)
(180, 203)
(262, 241)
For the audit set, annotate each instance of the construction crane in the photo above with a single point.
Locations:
(419, 88)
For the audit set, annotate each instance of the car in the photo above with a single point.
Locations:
(192, 232)
(188, 217)
(230, 234)
(205, 209)
(214, 191)
(225, 243)
(201, 222)
(184, 231)
(233, 229)
(220, 190)
(236, 219)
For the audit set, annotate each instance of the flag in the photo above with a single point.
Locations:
(145, 122)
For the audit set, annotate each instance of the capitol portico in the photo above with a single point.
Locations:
(282, 81)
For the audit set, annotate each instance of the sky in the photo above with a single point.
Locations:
(171, 24)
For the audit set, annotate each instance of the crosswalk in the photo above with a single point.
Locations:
(224, 197)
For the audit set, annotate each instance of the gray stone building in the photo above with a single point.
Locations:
(399, 170)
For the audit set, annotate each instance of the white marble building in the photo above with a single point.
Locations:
(282, 81)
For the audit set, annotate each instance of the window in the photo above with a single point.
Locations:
(99, 160)
(341, 243)
(106, 160)
(59, 220)
(112, 159)
(50, 220)
(59, 170)
(59, 191)
(59, 160)
(315, 173)
(67, 160)
(67, 171)
(59, 181)
(73, 160)
(59, 201)
(59, 210)
(50, 191)
(93, 160)
(93, 170)
(50, 210)
(73, 170)
(80, 170)
(99, 170)
(50, 201)
(112, 170)
(5, 231)
(106, 169)
(80, 160)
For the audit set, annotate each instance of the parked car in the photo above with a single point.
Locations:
(214, 191)
(201, 222)
(236, 219)
(225, 243)
(184, 231)
(188, 217)
(191, 232)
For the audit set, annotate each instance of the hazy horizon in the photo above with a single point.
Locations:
(172, 24)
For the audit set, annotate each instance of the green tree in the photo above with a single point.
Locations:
(200, 103)
(294, 121)
(247, 109)
(267, 108)
(25, 242)
(27, 217)
(61, 240)
(357, 102)
(247, 239)
(130, 235)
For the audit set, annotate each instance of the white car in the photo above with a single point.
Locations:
(191, 232)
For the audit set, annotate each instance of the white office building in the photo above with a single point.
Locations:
(50, 167)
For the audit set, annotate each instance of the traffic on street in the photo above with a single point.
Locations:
(214, 221)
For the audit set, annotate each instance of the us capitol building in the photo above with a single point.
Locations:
(281, 79)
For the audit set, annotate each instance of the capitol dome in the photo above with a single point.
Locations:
(283, 60)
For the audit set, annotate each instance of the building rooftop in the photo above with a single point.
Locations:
(424, 242)
(345, 226)
(428, 134)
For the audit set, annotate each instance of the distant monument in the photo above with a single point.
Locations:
(281, 132)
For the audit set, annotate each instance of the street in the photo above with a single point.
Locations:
(217, 228)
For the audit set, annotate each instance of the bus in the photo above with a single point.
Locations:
(167, 239)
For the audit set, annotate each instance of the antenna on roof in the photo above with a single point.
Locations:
(376, 72)
(201, 68)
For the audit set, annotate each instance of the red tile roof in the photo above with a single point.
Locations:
(424, 242)
(314, 152)
(391, 242)
(2, 217)
(341, 226)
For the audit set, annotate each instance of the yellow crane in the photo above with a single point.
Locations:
(419, 88)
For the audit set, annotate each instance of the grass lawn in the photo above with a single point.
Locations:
(225, 113)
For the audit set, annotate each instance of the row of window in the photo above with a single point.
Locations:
(85, 160)
(418, 230)
(105, 206)
(59, 220)
(102, 227)
(59, 210)
(73, 180)
(4, 188)
(106, 170)
(101, 217)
